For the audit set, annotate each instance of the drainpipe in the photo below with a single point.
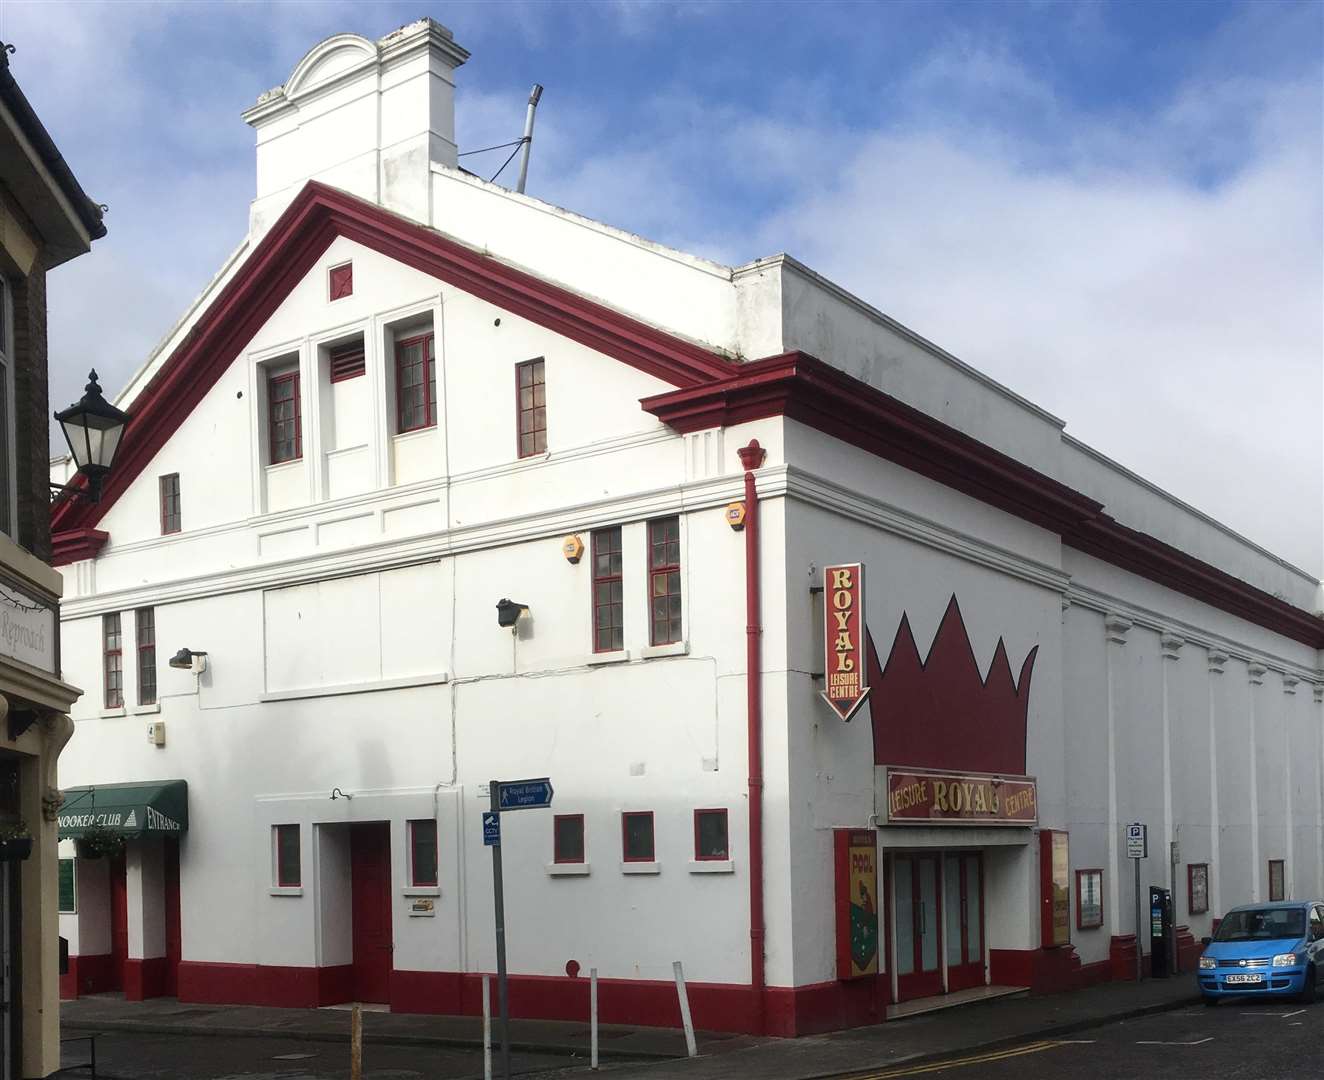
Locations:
(751, 457)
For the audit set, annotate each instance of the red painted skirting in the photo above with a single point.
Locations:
(1044, 971)
(262, 984)
(88, 975)
(144, 978)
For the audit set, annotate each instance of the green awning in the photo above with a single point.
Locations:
(153, 808)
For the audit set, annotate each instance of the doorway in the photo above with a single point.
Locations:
(119, 920)
(918, 926)
(963, 900)
(370, 892)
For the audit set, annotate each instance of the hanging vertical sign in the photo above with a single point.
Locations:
(856, 852)
(844, 678)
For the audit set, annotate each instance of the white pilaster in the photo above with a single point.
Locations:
(1318, 726)
(1216, 661)
(1289, 871)
(1255, 674)
(1115, 630)
(1170, 645)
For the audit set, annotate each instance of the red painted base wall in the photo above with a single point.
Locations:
(87, 975)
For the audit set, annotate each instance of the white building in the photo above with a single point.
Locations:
(341, 459)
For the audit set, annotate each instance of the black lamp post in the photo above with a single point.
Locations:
(93, 428)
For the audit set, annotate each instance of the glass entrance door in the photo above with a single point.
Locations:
(918, 926)
(963, 916)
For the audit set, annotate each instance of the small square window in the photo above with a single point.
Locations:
(341, 280)
(423, 852)
(637, 836)
(568, 838)
(285, 839)
(710, 840)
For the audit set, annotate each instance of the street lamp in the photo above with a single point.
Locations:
(93, 428)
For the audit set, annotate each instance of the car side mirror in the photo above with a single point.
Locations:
(1205, 941)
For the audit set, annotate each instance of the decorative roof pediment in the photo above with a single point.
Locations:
(327, 60)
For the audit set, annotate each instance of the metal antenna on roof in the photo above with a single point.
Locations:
(534, 95)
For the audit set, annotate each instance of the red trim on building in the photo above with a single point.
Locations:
(1044, 971)
(625, 836)
(144, 978)
(699, 856)
(805, 389)
(93, 974)
(75, 545)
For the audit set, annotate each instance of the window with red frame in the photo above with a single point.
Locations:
(531, 387)
(664, 580)
(346, 360)
(289, 873)
(144, 620)
(637, 836)
(568, 838)
(341, 281)
(423, 852)
(415, 384)
(112, 649)
(608, 595)
(710, 840)
(170, 515)
(283, 417)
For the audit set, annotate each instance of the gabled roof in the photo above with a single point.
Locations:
(317, 216)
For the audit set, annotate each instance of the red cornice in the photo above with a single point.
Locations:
(805, 389)
(298, 238)
(71, 545)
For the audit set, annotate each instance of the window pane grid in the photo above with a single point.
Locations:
(532, 405)
(283, 416)
(112, 650)
(664, 605)
(710, 835)
(170, 513)
(415, 384)
(423, 852)
(145, 622)
(637, 836)
(608, 596)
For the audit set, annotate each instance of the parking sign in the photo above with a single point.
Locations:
(1137, 841)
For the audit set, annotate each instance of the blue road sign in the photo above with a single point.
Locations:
(525, 794)
(492, 830)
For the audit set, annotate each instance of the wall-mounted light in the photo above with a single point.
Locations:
(93, 428)
(336, 793)
(189, 660)
(509, 612)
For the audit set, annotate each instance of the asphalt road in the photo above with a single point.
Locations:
(131, 1056)
(1243, 1041)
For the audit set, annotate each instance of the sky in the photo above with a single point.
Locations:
(1115, 209)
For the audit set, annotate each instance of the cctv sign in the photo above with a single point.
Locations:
(845, 685)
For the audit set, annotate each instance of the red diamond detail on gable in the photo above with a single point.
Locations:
(342, 281)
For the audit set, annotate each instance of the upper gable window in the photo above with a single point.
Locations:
(415, 384)
(284, 426)
(531, 388)
(340, 281)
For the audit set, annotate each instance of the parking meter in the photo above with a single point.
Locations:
(1160, 931)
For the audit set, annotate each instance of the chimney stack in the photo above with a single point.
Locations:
(368, 117)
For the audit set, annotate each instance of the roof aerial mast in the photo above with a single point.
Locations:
(534, 95)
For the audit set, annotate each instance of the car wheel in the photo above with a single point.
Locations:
(1310, 990)
(1209, 1000)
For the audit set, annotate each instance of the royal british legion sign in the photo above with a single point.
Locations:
(844, 678)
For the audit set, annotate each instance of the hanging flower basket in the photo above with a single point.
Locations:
(15, 842)
(98, 841)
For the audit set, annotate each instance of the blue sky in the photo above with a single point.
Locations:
(1115, 209)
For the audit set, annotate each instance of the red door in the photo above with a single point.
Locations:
(171, 874)
(370, 874)
(119, 921)
(918, 926)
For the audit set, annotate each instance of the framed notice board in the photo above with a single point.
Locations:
(68, 887)
(1055, 888)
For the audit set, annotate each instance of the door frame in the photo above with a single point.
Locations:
(968, 973)
(919, 984)
(385, 832)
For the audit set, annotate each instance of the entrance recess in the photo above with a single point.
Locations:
(963, 899)
(918, 927)
(119, 920)
(370, 874)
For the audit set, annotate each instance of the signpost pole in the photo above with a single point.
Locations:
(503, 1009)
(1139, 921)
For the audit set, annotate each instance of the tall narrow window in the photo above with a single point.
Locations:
(664, 580)
(145, 623)
(1277, 880)
(289, 872)
(568, 838)
(113, 660)
(608, 605)
(170, 515)
(7, 425)
(531, 387)
(283, 417)
(423, 852)
(637, 836)
(415, 384)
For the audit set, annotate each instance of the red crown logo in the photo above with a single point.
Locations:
(940, 713)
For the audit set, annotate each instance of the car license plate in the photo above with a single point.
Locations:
(1244, 978)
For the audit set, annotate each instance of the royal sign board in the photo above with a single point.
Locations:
(924, 797)
(845, 679)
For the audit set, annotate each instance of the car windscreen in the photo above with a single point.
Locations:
(1262, 924)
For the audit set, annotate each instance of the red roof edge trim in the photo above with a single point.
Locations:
(803, 388)
(73, 545)
(303, 232)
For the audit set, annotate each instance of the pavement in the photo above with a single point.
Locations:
(164, 1039)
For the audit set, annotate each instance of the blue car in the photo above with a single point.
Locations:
(1265, 950)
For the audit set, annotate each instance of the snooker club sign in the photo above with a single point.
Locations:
(845, 687)
(923, 797)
